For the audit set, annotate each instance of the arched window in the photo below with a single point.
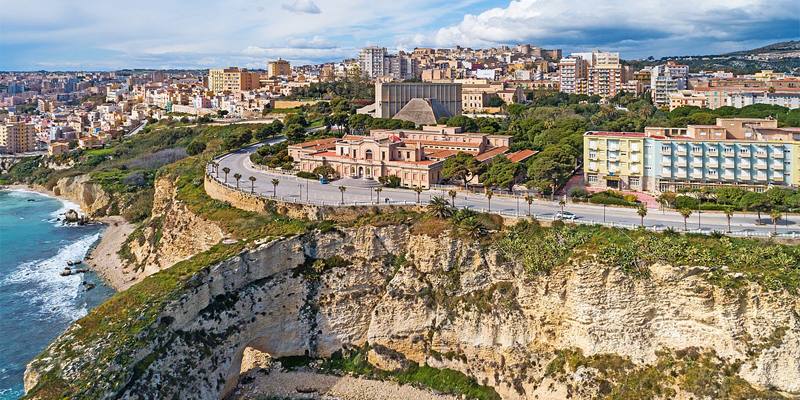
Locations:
(368, 154)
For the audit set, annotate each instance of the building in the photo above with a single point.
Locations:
(416, 157)
(784, 99)
(752, 154)
(57, 148)
(390, 98)
(17, 137)
(597, 73)
(232, 80)
(371, 60)
(279, 67)
(683, 98)
(667, 79)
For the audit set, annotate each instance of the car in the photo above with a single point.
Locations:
(323, 181)
(566, 215)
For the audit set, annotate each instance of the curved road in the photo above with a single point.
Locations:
(294, 189)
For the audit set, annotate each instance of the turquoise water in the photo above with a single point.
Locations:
(36, 303)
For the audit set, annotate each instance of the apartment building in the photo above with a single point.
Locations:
(597, 73)
(371, 60)
(232, 80)
(667, 79)
(279, 67)
(683, 98)
(17, 137)
(784, 99)
(753, 154)
(415, 156)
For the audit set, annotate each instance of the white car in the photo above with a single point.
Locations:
(566, 215)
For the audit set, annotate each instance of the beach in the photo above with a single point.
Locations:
(102, 257)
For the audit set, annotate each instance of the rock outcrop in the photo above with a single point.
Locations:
(91, 197)
(172, 234)
(444, 301)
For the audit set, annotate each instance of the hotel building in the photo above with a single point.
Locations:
(416, 157)
(753, 154)
(17, 137)
(232, 80)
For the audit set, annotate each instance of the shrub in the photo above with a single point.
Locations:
(686, 202)
(195, 148)
(390, 181)
(307, 175)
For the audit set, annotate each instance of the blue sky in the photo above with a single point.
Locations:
(91, 34)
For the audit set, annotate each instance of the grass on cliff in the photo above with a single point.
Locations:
(610, 376)
(442, 380)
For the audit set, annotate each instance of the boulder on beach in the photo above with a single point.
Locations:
(71, 216)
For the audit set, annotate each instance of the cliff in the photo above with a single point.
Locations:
(91, 197)
(585, 329)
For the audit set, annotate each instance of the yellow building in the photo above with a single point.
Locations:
(279, 68)
(614, 160)
(687, 98)
(17, 137)
(232, 80)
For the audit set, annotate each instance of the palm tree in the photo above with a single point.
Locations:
(729, 215)
(685, 213)
(378, 191)
(452, 194)
(561, 203)
(252, 184)
(642, 211)
(226, 170)
(342, 189)
(529, 200)
(419, 191)
(439, 208)
(776, 216)
(489, 195)
(275, 183)
(237, 176)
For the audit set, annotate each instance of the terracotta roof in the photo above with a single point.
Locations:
(442, 143)
(440, 154)
(624, 134)
(491, 153)
(521, 155)
(319, 144)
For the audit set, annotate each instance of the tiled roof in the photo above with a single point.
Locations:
(491, 153)
(623, 134)
(521, 155)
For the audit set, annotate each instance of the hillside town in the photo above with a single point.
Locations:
(55, 113)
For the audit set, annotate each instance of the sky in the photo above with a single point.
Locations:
(107, 35)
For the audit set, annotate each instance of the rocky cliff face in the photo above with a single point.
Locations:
(454, 304)
(91, 197)
(172, 234)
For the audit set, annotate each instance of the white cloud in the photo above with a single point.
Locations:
(302, 7)
(617, 23)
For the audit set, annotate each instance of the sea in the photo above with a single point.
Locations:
(36, 303)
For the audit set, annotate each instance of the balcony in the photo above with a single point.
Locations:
(697, 152)
(666, 151)
(681, 162)
(745, 164)
(777, 166)
(697, 163)
(761, 154)
(666, 161)
(729, 164)
(697, 174)
(712, 151)
(777, 153)
(761, 165)
(713, 163)
(666, 172)
(729, 176)
(777, 178)
(760, 177)
(744, 175)
(681, 151)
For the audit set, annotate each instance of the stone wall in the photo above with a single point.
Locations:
(252, 202)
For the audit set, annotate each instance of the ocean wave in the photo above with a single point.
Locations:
(54, 294)
(66, 205)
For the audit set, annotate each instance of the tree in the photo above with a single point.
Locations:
(754, 201)
(467, 124)
(325, 171)
(489, 195)
(418, 190)
(226, 170)
(452, 194)
(195, 147)
(529, 200)
(275, 183)
(252, 184)
(501, 172)
(439, 208)
(237, 176)
(776, 216)
(461, 167)
(342, 189)
(642, 211)
(667, 199)
(552, 167)
(685, 213)
(728, 216)
(391, 181)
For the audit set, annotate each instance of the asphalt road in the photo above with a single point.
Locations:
(293, 189)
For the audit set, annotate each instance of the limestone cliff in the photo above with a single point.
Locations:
(173, 233)
(90, 196)
(452, 304)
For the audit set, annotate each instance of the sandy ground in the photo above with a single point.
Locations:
(262, 378)
(103, 258)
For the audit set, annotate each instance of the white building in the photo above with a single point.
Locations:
(742, 99)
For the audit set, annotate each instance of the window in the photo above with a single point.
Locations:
(592, 154)
(592, 178)
(634, 181)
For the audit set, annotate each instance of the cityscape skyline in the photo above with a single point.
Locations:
(97, 36)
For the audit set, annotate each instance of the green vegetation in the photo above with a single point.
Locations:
(275, 156)
(701, 374)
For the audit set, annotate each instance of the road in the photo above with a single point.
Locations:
(359, 191)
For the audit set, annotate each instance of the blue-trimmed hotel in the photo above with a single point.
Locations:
(753, 154)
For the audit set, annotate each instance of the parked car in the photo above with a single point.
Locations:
(566, 215)
(323, 181)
